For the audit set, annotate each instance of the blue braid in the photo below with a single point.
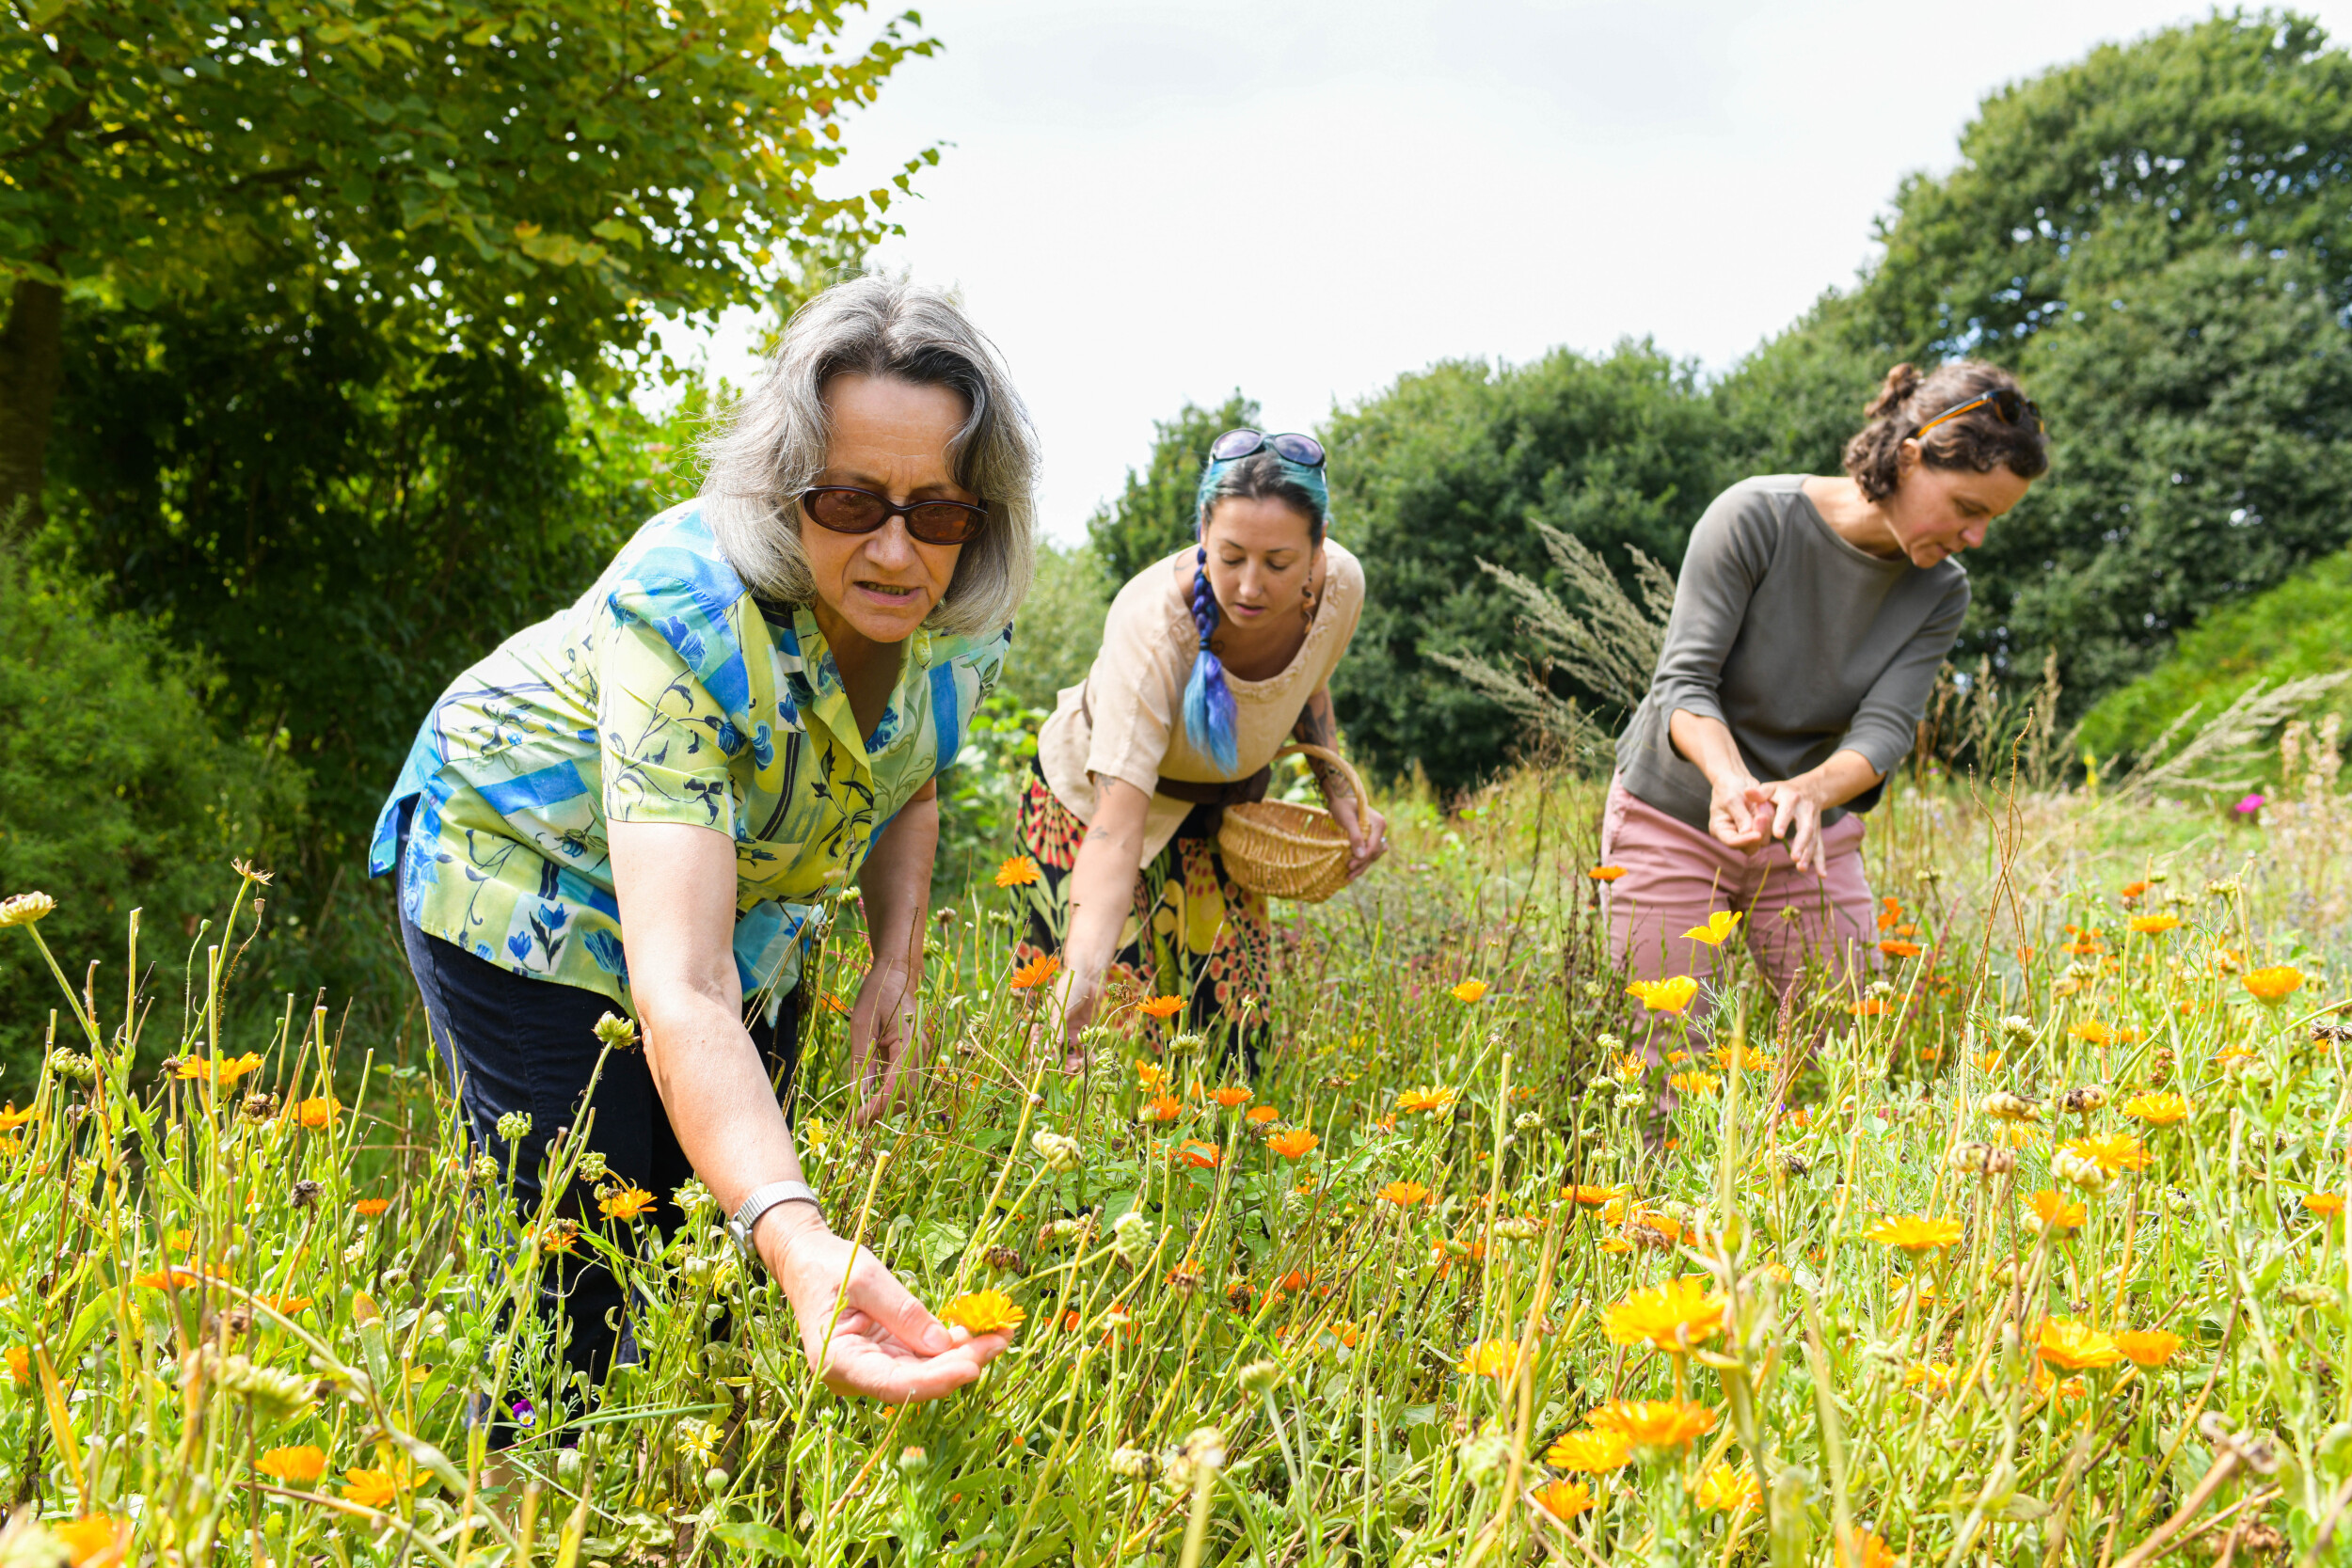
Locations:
(1209, 721)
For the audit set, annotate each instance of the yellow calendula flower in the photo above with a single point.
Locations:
(1916, 1233)
(1591, 1452)
(1020, 871)
(627, 1203)
(1672, 1316)
(297, 1466)
(227, 1072)
(2154, 924)
(2074, 1345)
(1469, 990)
(1727, 1489)
(2275, 984)
(983, 1312)
(1425, 1099)
(2157, 1110)
(1564, 1500)
(1495, 1358)
(1654, 1425)
(2054, 1214)
(2148, 1347)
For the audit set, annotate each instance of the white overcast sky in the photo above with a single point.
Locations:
(1147, 202)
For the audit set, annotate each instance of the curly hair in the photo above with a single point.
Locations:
(1980, 440)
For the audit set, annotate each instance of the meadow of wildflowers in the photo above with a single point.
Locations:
(2030, 1249)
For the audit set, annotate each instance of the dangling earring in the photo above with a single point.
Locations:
(1307, 604)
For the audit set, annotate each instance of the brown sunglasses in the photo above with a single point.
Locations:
(845, 508)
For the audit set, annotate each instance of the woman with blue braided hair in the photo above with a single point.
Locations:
(1212, 661)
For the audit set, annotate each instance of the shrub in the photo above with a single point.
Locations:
(114, 791)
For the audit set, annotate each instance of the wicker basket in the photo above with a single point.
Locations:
(1289, 851)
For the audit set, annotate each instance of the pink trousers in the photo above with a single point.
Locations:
(1677, 875)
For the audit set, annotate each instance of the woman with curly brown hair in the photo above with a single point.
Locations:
(1810, 617)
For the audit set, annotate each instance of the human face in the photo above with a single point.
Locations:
(1262, 554)
(889, 436)
(1937, 512)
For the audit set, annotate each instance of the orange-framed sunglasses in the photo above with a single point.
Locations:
(2010, 405)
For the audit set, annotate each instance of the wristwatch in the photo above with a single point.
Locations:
(758, 1201)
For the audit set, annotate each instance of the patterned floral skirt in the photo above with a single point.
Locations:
(1192, 933)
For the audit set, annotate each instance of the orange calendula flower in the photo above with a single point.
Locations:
(317, 1113)
(12, 1118)
(1405, 1193)
(296, 1467)
(1673, 1317)
(1606, 873)
(1664, 996)
(1294, 1143)
(1727, 1489)
(1036, 972)
(2133, 890)
(373, 1488)
(1494, 1358)
(93, 1541)
(1896, 949)
(367, 1208)
(1230, 1096)
(1862, 1549)
(1655, 1424)
(1150, 1075)
(1161, 1107)
(2148, 1347)
(2054, 1214)
(166, 1279)
(228, 1071)
(983, 1312)
(1200, 1156)
(1749, 1059)
(629, 1203)
(1260, 1114)
(1591, 1195)
(1890, 911)
(2325, 1205)
(2154, 924)
(2115, 1152)
(1469, 990)
(2157, 1110)
(1161, 1007)
(2074, 1345)
(20, 1366)
(1870, 1006)
(1717, 930)
(1020, 871)
(1591, 1452)
(1693, 1082)
(1916, 1233)
(1564, 1500)
(285, 1307)
(1426, 1099)
(2275, 984)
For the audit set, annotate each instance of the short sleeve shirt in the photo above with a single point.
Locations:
(666, 693)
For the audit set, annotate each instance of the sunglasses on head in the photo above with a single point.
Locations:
(2009, 404)
(1305, 450)
(845, 508)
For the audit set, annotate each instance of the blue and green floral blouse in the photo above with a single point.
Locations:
(667, 693)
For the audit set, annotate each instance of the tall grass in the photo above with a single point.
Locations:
(1397, 1321)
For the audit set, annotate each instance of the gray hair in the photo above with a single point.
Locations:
(773, 445)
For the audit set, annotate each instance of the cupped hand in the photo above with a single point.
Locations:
(884, 1344)
(1732, 815)
(1367, 834)
(883, 1053)
(1075, 1003)
(1791, 813)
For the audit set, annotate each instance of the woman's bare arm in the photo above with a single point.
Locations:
(1102, 890)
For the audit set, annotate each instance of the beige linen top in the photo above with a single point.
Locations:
(1135, 692)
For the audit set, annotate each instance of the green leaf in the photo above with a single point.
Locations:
(760, 1540)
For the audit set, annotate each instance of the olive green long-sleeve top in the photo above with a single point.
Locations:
(1800, 644)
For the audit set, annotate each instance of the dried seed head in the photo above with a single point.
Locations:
(2001, 1105)
(1003, 1259)
(259, 1107)
(616, 1033)
(1970, 1157)
(26, 907)
(1059, 1151)
(1133, 1463)
(2016, 1030)
(305, 1194)
(2082, 1102)
(1259, 1377)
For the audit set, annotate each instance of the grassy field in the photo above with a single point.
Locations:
(2030, 1250)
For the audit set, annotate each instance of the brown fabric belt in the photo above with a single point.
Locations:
(1234, 794)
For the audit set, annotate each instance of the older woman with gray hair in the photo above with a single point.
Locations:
(641, 805)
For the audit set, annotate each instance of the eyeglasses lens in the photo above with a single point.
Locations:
(1235, 443)
(1304, 450)
(846, 511)
(944, 523)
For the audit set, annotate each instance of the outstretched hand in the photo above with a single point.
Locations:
(884, 1052)
(884, 1344)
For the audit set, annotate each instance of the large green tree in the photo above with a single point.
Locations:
(2158, 239)
(538, 181)
(1447, 468)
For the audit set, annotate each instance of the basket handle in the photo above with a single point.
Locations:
(1354, 778)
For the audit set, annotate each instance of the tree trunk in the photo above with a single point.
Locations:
(32, 368)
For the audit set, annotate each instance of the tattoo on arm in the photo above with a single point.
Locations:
(1316, 727)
